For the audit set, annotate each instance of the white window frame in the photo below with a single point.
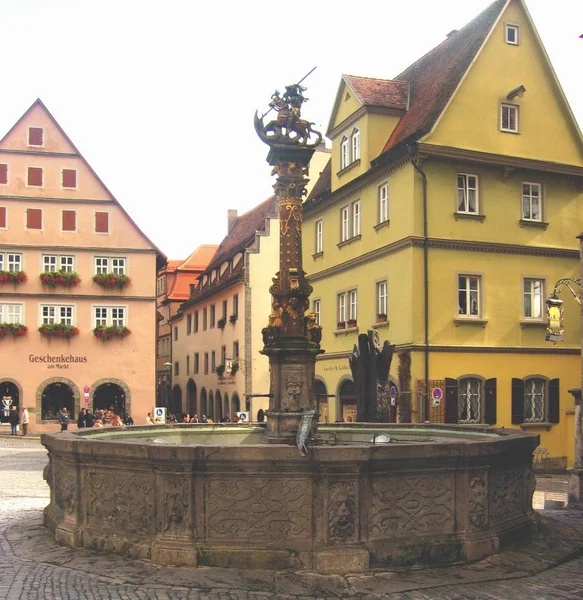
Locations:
(529, 198)
(533, 301)
(356, 218)
(118, 269)
(9, 260)
(36, 187)
(344, 152)
(60, 263)
(59, 315)
(469, 313)
(319, 236)
(543, 393)
(477, 404)
(383, 198)
(341, 311)
(345, 223)
(108, 315)
(515, 108)
(355, 145)
(463, 193)
(382, 295)
(511, 27)
(317, 310)
(160, 285)
(12, 312)
(352, 305)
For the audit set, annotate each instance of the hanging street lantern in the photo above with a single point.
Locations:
(555, 326)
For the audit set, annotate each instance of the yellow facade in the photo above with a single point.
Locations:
(509, 243)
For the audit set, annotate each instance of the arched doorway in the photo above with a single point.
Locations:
(347, 400)
(176, 401)
(10, 395)
(218, 407)
(211, 406)
(107, 395)
(393, 400)
(226, 407)
(54, 397)
(321, 395)
(203, 406)
(236, 404)
(191, 406)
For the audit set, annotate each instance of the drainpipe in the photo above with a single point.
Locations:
(425, 287)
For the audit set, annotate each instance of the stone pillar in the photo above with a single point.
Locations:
(576, 473)
(291, 338)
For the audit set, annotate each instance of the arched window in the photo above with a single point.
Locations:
(347, 393)
(191, 406)
(535, 399)
(203, 404)
(236, 404)
(218, 407)
(344, 153)
(211, 406)
(355, 145)
(470, 399)
(226, 412)
(321, 395)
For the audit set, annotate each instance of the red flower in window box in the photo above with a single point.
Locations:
(112, 280)
(341, 325)
(65, 278)
(13, 329)
(106, 333)
(58, 330)
(14, 277)
(381, 317)
(351, 322)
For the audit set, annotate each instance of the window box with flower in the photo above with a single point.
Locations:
(58, 330)
(220, 370)
(233, 319)
(14, 277)
(64, 278)
(105, 332)
(351, 323)
(234, 367)
(341, 325)
(222, 322)
(112, 280)
(13, 330)
(381, 318)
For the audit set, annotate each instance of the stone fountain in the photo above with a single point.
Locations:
(241, 496)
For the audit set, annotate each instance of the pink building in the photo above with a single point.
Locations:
(77, 283)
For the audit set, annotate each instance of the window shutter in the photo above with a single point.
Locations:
(451, 400)
(2, 216)
(101, 222)
(490, 407)
(554, 415)
(35, 176)
(34, 218)
(69, 178)
(3, 173)
(69, 220)
(35, 136)
(517, 401)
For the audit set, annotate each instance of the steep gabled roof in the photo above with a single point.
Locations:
(434, 77)
(379, 92)
(323, 184)
(199, 259)
(161, 257)
(243, 231)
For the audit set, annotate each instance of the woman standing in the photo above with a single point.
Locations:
(13, 420)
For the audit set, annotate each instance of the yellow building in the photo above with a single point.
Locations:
(448, 210)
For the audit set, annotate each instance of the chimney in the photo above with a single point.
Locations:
(231, 218)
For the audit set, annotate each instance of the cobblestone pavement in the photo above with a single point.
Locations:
(34, 567)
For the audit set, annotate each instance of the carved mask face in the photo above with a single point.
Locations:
(294, 389)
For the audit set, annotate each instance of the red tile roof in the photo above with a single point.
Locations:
(200, 258)
(435, 76)
(379, 92)
(323, 184)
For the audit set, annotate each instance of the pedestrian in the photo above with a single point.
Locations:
(63, 418)
(204, 419)
(149, 420)
(226, 419)
(81, 420)
(89, 418)
(194, 418)
(186, 418)
(24, 420)
(115, 421)
(13, 419)
(98, 423)
(128, 419)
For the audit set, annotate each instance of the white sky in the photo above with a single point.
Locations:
(160, 96)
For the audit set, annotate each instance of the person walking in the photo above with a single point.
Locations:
(63, 418)
(128, 419)
(13, 419)
(82, 420)
(24, 420)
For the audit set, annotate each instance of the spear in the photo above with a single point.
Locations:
(298, 83)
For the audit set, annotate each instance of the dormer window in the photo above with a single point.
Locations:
(355, 145)
(512, 34)
(344, 153)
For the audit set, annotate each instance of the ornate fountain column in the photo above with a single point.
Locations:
(291, 338)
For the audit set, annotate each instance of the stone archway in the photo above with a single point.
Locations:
(347, 400)
(226, 411)
(110, 396)
(321, 395)
(203, 404)
(176, 401)
(10, 395)
(236, 404)
(126, 391)
(40, 394)
(211, 405)
(218, 407)
(191, 404)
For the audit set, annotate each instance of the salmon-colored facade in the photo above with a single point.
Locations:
(78, 274)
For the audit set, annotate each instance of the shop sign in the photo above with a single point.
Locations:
(57, 361)
(337, 368)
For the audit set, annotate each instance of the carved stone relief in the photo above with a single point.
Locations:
(122, 501)
(406, 505)
(256, 508)
(64, 487)
(505, 494)
(173, 506)
(342, 512)
(478, 500)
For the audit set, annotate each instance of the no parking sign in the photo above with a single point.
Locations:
(393, 395)
(436, 396)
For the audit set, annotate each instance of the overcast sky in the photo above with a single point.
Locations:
(159, 96)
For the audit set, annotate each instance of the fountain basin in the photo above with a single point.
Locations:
(214, 496)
